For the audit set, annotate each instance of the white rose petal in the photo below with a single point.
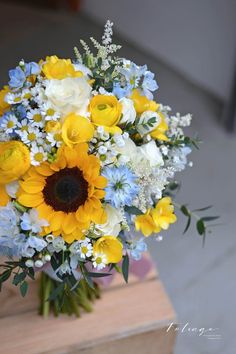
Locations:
(114, 218)
(69, 95)
(151, 153)
(128, 111)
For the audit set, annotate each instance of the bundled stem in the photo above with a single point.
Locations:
(67, 301)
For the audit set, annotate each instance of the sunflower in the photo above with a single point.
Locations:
(67, 193)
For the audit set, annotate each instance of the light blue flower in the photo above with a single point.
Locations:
(138, 248)
(121, 188)
(32, 68)
(149, 84)
(121, 92)
(38, 243)
(133, 73)
(20, 111)
(17, 78)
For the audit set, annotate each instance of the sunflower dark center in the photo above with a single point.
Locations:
(66, 190)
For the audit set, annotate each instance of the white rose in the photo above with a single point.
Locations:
(114, 218)
(129, 151)
(128, 111)
(69, 95)
(142, 126)
(151, 153)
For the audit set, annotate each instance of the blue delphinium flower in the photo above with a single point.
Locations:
(120, 91)
(138, 248)
(20, 73)
(17, 78)
(32, 68)
(149, 84)
(121, 188)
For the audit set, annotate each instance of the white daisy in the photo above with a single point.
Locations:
(35, 118)
(31, 135)
(54, 138)
(37, 155)
(12, 98)
(86, 250)
(99, 261)
(49, 113)
(9, 123)
(22, 125)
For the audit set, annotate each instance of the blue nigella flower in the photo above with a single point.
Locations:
(20, 111)
(121, 188)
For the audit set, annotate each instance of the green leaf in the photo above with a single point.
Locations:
(204, 208)
(24, 288)
(98, 275)
(5, 275)
(185, 210)
(18, 278)
(201, 227)
(210, 218)
(125, 267)
(133, 210)
(187, 225)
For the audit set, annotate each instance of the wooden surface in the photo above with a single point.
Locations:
(131, 318)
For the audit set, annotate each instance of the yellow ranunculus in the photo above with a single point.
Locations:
(4, 197)
(76, 129)
(106, 111)
(142, 103)
(110, 246)
(159, 132)
(56, 68)
(14, 161)
(157, 218)
(3, 105)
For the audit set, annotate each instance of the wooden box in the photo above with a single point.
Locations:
(130, 319)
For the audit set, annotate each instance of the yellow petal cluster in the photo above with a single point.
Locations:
(3, 104)
(76, 129)
(159, 132)
(14, 161)
(59, 69)
(109, 246)
(106, 111)
(157, 218)
(142, 103)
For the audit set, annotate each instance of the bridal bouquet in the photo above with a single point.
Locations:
(87, 166)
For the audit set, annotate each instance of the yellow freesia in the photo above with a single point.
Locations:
(3, 105)
(159, 132)
(106, 111)
(157, 218)
(14, 161)
(76, 129)
(163, 213)
(142, 103)
(109, 246)
(56, 68)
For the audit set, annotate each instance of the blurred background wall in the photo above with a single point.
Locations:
(197, 38)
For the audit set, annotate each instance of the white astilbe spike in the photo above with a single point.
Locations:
(85, 46)
(108, 32)
(78, 55)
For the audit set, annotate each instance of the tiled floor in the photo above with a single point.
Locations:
(201, 282)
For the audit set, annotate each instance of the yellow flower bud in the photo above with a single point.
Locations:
(142, 103)
(52, 126)
(76, 129)
(14, 160)
(3, 105)
(110, 246)
(106, 111)
(159, 132)
(56, 68)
